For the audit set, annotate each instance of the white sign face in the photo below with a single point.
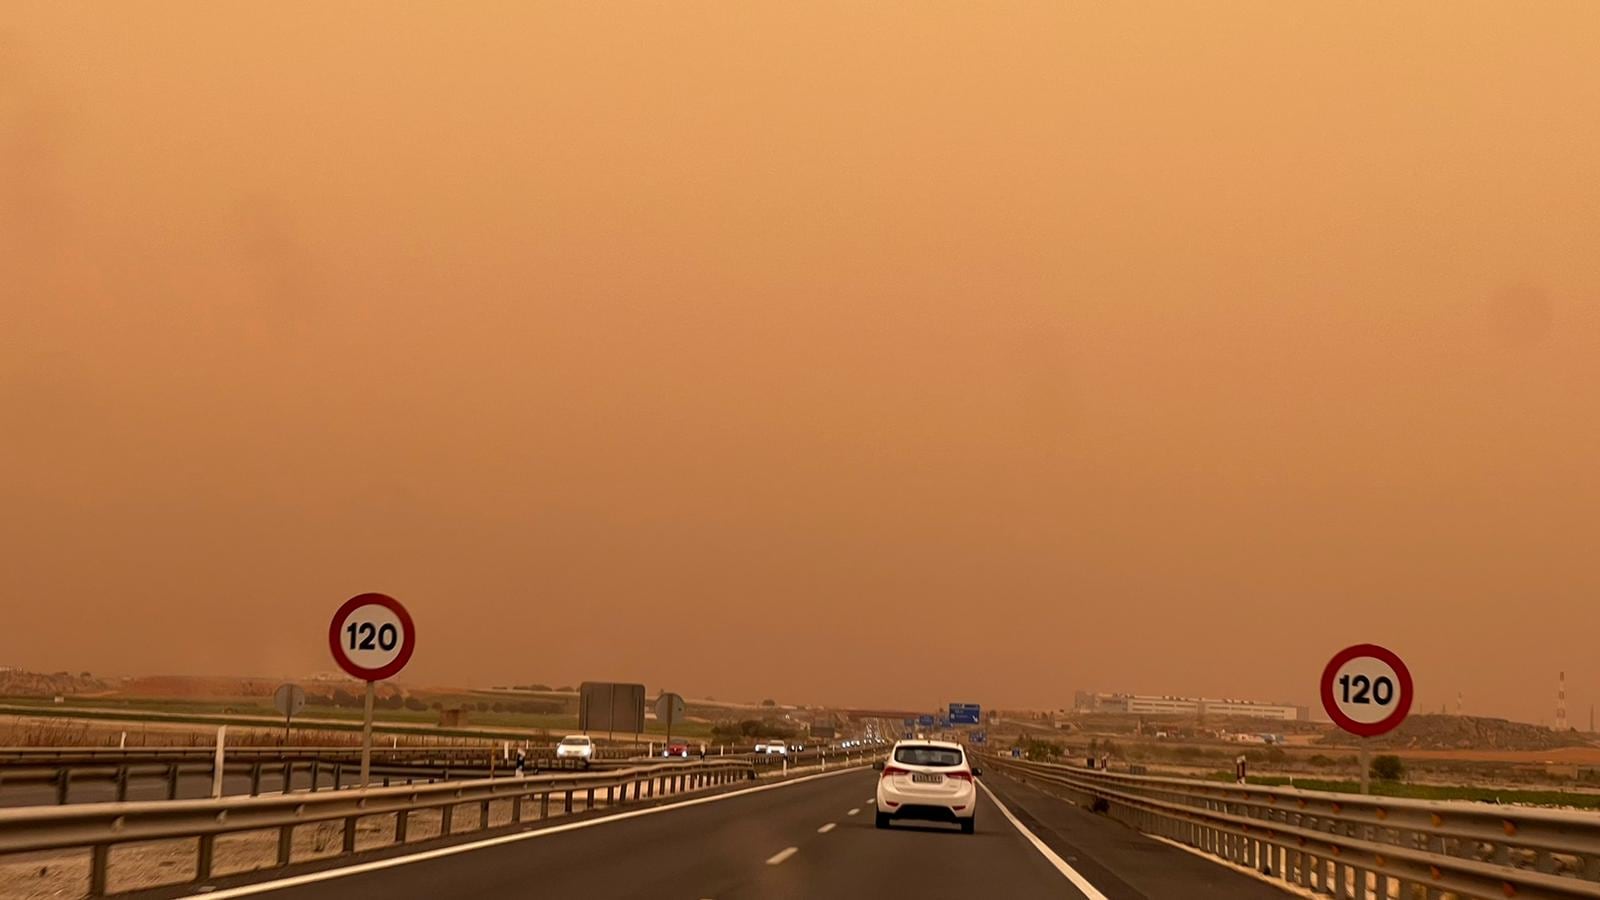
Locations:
(371, 637)
(1366, 689)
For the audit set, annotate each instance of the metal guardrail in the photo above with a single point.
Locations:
(312, 768)
(1352, 845)
(316, 773)
(101, 826)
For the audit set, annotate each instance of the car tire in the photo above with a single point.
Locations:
(881, 820)
(969, 825)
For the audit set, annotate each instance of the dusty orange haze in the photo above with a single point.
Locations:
(773, 349)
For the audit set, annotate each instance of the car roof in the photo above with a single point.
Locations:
(580, 736)
(948, 745)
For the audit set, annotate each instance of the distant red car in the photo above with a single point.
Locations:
(677, 748)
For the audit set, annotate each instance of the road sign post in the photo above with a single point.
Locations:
(288, 699)
(372, 638)
(1367, 691)
(669, 707)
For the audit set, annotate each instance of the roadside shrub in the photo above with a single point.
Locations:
(1388, 767)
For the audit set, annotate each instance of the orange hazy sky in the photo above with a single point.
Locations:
(877, 353)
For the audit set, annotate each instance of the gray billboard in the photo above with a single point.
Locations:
(611, 707)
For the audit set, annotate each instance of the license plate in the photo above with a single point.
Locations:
(927, 778)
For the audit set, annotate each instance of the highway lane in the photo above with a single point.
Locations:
(802, 840)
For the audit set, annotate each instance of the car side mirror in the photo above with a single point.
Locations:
(977, 773)
(878, 766)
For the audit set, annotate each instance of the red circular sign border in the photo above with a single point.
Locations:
(408, 633)
(1366, 729)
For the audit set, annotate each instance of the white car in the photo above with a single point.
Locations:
(575, 746)
(928, 780)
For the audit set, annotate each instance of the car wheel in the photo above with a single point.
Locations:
(881, 820)
(969, 825)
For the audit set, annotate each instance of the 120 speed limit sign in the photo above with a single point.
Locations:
(372, 637)
(1366, 689)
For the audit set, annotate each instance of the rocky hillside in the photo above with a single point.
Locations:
(1438, 732)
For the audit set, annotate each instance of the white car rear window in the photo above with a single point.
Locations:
(927, 756)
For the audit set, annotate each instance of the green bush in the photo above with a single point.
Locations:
(1388, 767)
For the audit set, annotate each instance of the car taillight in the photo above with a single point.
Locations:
(892, 770)
(964, 776)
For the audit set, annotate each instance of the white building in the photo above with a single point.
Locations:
(1151, 705)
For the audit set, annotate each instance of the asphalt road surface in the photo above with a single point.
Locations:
(814, 838)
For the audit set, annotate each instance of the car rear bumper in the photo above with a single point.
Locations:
(948, 808)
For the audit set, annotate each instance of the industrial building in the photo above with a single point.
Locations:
(1193, 707)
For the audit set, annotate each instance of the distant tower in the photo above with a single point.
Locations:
(1561, 703)
(1458, 703)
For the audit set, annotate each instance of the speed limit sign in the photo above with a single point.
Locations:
(1366, 690)
(372, 637)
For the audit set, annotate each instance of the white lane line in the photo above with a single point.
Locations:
(826, 828)
(1071, 874)
(781, 855)
(853, 811)
(453, 849)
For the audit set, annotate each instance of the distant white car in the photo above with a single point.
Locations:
(575, 746)
(928, 780)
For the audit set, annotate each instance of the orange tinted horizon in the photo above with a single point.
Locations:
(1163, 349)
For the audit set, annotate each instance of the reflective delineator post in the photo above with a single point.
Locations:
(216, 762)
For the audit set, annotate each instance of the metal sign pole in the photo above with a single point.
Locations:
(1366, 768)
(366, 735)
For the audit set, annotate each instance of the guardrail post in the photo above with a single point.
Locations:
(338, 776)
(122, 783)
(588, 799)
(483, 815)
(63, 785)
(172, 781)
(516, 809)
(445, 817)
(567, 801)
(255, 779)
(316, 767)
(288, 776)
(544, 805)
(99, 861)
(610, 794)
(350, 834)
(285, 844)
(400, 820)
(202, 863)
